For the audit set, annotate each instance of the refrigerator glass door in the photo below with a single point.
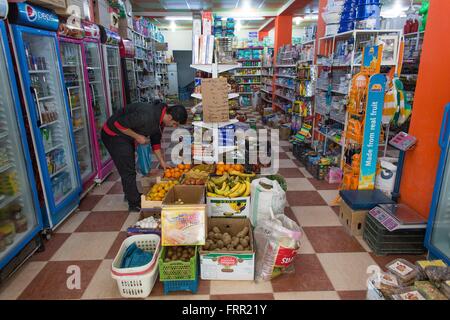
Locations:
(54, 143)
(440, 234)
(114, 78)
(17, 208)
(74, 80)
(98, 96)
(131, 76)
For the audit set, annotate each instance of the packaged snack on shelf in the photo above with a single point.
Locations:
(445, 288)
(429, 290)
(409, 293)
(405, 271)
(387, 283)
(437, 274)
(422, 264)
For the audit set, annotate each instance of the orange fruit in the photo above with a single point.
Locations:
(187, 166)
(219, 172)
(168, 175)
(180, 166)
(227, 167)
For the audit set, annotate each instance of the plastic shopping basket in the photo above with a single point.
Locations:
(137, 282)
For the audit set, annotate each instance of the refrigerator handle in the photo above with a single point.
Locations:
(444, 127)
(93, 95)
(70, 102)
(36, 102)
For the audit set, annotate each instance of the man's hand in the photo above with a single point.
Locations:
(142, 140)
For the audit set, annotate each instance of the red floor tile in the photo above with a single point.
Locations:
(290, 173)
(304, 198)
(51, 246)
(309, 276)
(51, 282)
(100, 221)
(384, 260)
(298, 163)
(116, 188)
(256, 296)
(352, 295)
(323, 185)
(89, 202)
(331, 240)
(121, 236)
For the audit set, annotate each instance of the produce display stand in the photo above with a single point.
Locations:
(215, 69)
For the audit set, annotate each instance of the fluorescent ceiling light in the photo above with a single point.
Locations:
(311, 17)
(297, 20)
(238, 26)
(180, 18)
(173, 26)
(245, 19)
(396, 11)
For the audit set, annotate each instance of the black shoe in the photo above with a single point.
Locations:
(133, 209)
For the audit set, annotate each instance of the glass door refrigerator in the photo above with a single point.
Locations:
(39, 69)
(113, 72)
(97, 96)
(437, 238)
(127, 53)
(20, 215)
(75, 80)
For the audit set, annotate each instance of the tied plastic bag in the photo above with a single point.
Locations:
(266, 194)
(144, 153)
(277, 243)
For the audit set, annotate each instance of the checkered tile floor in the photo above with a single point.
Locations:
(331, 265)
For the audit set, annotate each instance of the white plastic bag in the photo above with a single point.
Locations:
(277, 243)
(266, 196)
(385, 179)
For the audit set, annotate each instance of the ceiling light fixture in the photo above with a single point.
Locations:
(298, 20)
(173, 26)
(238, 26)
(397, 10)
(180, 18)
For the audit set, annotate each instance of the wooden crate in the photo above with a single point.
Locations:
(352, 220)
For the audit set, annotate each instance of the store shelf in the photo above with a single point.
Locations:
(265, 91)
(82, 147)
(58, 171)
(3, 134)
(285, 65)
(331, 138)
(49, 124)
(247, 75)
(39, 71)
(267, 100)
(246, 93)
(257, 67)
(54, 148)
(248, 60)
(230, 95)
(46, 98)
(278, 106)
(284, 86)
(251, 83)
(75, 130)
(284, 97)
(209, 125)
(74, 87)
(6, 167)
(9, 199)
(356, 32)
(285, 76)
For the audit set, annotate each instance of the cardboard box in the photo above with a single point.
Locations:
(215, 100)
(125, 32)
(352, 220)
(184, 224)
(228, 265)
(53, 4)
(74, 8)
(146, 213)
(149, 204)
(228, 207)
(105, 15)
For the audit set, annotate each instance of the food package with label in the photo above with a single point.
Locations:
(409, 293)
(404, 270)
(445, 288)
(429, 290)
(277, 243)
(437, 274)
(184, 226)
(422, 264)
(386, 282)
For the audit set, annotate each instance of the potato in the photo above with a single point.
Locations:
(247, 238)
(169, 253)
(220, 244)
(206, 246)
(240, 248)
(179, 249)
(226, 234)
(243, 233)
(230, 247)
(216, 249)
(211, 235)
(235, 241)
(212, 246)
(227, 240)
(243, 242)
(185, 252)
(216, 230)
(218, 236)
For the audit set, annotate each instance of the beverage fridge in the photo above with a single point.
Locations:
(97, 96)
(20, 215)
(113, 71)
(80, 106)
(127, 53)
(437, 238)
(36, 48)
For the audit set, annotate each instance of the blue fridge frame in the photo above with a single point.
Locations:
(444, 144)
(26, 154)
(55, 213)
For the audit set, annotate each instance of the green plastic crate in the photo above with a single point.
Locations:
(177, 270)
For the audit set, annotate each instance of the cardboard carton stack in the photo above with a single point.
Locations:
(203, 40)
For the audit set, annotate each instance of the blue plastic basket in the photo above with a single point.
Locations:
(181, 285)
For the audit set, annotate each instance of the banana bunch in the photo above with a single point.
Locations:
(228, 186)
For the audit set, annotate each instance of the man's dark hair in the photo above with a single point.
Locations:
(178, 113)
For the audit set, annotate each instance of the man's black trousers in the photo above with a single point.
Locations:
(122, 152)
